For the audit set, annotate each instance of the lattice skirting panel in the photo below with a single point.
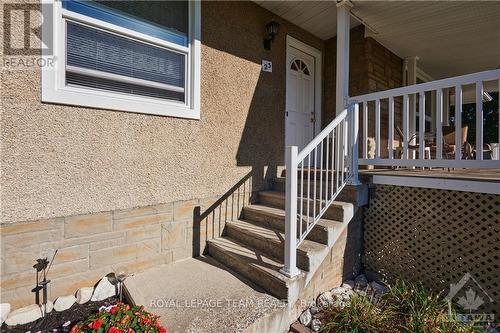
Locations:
(436, 237)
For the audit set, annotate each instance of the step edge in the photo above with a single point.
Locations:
(279, 194)
(231, 224)
(278, 276)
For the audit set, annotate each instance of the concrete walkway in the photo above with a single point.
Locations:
(200, 295)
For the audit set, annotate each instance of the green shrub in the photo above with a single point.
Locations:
(406, 308)
(418, 310)
(360, 316)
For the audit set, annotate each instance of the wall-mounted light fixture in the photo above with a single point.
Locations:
(272, 30)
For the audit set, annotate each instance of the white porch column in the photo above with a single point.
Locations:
(343, 31)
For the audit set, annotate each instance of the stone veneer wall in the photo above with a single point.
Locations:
(342, 263)
(436, 237)
(93, 245)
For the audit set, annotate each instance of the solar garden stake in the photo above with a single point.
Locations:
(121, 274)
(42, 268)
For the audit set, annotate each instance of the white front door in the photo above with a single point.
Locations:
(300, 98)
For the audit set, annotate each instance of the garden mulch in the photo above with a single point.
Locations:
(53, 321)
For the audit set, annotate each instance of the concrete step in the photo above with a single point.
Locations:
(254, 265)
(338, 211)
(355, 194)
(272, 243)
(324, 232)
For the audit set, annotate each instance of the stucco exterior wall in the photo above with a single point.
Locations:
(61, 160)
(107, 187)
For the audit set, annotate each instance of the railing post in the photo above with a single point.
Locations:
(479, 120)
(290, 268)
(354, 129)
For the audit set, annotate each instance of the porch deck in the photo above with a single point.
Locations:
(471, 180)
(491, 175)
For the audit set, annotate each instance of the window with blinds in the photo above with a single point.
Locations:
(104, 59)
(125, 55)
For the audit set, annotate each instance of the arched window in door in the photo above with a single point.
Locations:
(300, 66)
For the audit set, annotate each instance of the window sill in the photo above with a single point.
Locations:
(115, 102)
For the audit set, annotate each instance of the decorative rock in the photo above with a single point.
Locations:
(306, 318)
(348, 284)
(83, 295)
(361, 281)
(378, 288)
(4, 311)
(24, 315)
(103, 290)
(341, 297)
(314, 310)
(64, 302)
(315, 325)
(325, 300)
(341, 292)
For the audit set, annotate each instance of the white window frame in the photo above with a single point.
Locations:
(54, 89)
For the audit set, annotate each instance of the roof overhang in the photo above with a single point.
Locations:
(450, 38)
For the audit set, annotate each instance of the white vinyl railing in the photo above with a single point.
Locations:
(317, 174)
(314, 178)
(417, 152)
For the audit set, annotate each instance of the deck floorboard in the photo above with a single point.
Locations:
(490, 175)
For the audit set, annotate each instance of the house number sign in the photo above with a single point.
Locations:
(267, 66)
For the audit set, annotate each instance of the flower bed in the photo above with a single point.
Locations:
(97, 317)
(61, 321)
(120, 318)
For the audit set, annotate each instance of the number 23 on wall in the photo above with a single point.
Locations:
(267, 66)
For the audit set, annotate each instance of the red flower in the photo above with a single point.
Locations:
(124, 320)
(127, 307)
(130, 330)
(162, 329)
(97, 324)
(113, 309)
(114, 330)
